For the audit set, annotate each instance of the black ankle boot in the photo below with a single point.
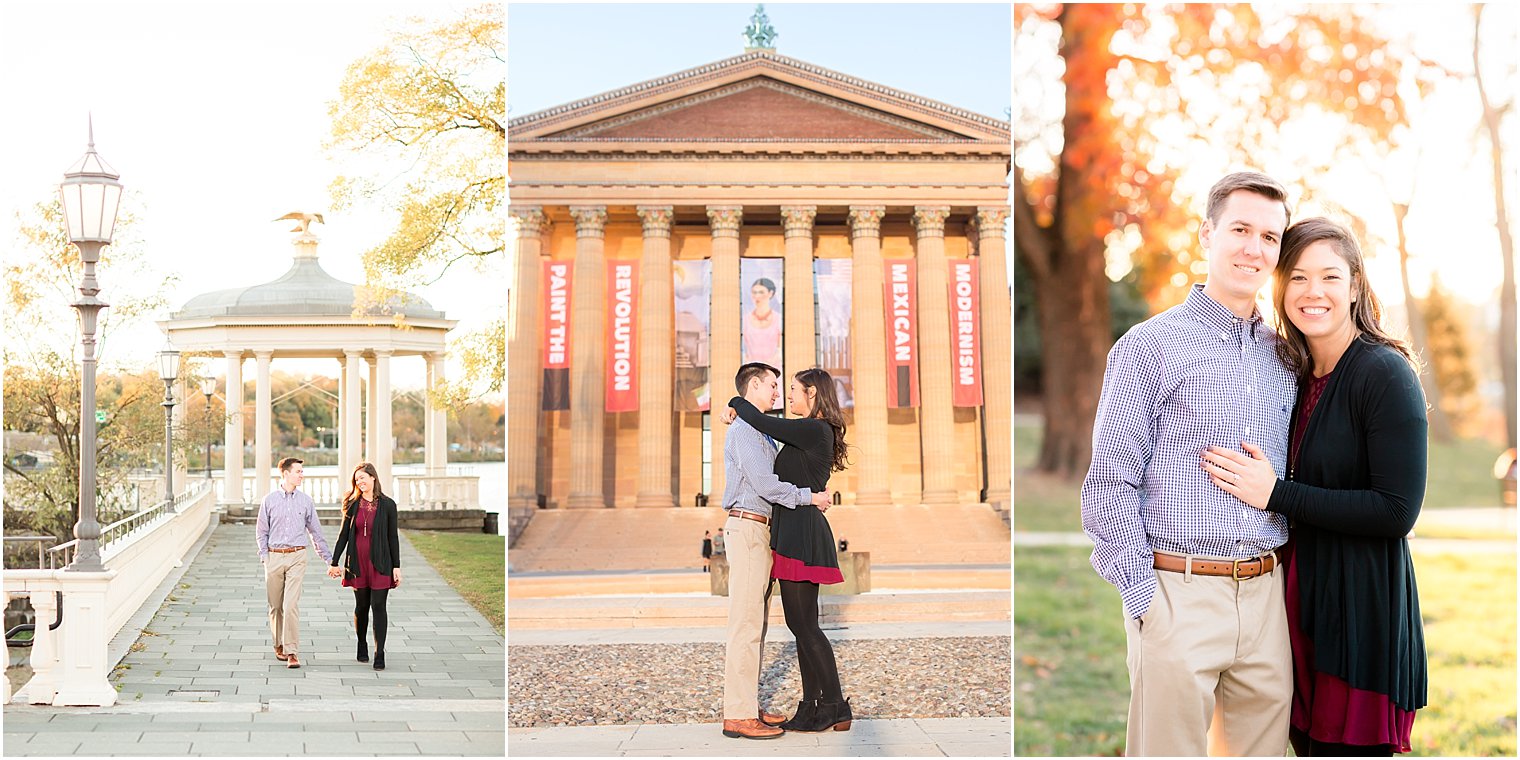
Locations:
(379, 660)
(363, 645)
(829, 715)
(804, 715)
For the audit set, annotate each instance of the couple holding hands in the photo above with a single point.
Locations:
(287, 522)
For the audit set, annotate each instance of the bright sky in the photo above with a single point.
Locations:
(214, 114)
(957, 54)
(1448, 184)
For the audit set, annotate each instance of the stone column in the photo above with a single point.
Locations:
(801, 342)
(724, 221)
(371, 434)
(340, 419)
(429, 454)
(868, 349)
(381, 409)
(261, 422)
(525, 382)
(656, 360)
(588, 407)
(232, 445)
(438, 436)
(997, 387)
(936, 414)
(354, 361)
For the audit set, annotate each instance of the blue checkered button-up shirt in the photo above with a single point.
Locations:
(750, 484)
(1188, 378)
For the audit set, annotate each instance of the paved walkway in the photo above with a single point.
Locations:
(908, 737)
(203, 680)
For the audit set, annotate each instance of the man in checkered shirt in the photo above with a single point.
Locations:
(1208, 654)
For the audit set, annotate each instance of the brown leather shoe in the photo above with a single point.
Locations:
(771, 719)
(292, 661)
(750, 728)
(279, 653)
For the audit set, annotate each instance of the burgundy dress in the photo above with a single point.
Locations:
(1326, 707)
(364, 528)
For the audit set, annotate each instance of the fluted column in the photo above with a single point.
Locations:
(997, 396)
(380, 407)
(261, 421)
(801, 343)
(868, 347)
(724, 221)
(588, 407)
(525, 382)
(429, 454)
(354, 361)
(340, 419)
(656, 360)
(936, 415)
(438, 416)
(371, 434)
(232, 447)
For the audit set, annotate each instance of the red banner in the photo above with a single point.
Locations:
(622, 368)
(556, 288)
(901, 285)
(965, 334)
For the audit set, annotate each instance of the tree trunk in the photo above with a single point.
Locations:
(1066, 260)
(1491, 118)
(1440, 425)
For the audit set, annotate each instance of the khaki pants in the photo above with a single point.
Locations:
(749, 584)
(1210, 668)
(283, 574)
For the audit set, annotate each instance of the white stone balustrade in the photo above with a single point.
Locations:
(420, 492)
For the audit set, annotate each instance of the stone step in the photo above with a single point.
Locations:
(550, 586)
(669, 539)
(712, 612)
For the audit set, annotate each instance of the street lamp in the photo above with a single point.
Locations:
(90, 196)
(168, 369)
(208, 387)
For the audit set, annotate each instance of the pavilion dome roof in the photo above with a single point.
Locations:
(306, 289)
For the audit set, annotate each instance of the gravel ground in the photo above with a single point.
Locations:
(683, 683)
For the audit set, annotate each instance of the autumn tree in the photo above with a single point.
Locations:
(1493, 125)
(1450, 360)
(1145, 95)
(430, 107)
(42, 377)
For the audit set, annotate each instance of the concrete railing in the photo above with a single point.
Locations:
(420, 492)
(323, 489)
(69, 663)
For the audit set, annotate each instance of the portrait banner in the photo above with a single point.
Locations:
(965, 333)
(761, 328)
(692, 290)
(622, 375)
(556, 290)
(901, 285)
(832, 279)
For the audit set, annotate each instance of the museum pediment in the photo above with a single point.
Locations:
(756, 97)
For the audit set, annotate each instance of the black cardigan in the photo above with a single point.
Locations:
(384, 555)
(1354, 495)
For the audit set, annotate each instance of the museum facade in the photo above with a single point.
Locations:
(759, 208)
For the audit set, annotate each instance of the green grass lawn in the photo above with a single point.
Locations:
(1460, 475)
(474, 564)
(1072, 690)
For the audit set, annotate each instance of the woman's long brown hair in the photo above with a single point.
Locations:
(1366, 312)
(826, 408)
(353, 493)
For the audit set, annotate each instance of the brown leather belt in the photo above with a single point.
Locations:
(762, 519)
(1239, 569)
(292, 549)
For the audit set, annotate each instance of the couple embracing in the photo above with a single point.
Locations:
(1250, 495)
(776, 530)
(287, 523)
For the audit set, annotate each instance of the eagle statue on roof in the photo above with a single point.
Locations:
(303, 221)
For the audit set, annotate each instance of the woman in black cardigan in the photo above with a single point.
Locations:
(373, 565)
(1356, 478)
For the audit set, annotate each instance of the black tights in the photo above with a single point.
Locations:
(366, 600)
(815, 656)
